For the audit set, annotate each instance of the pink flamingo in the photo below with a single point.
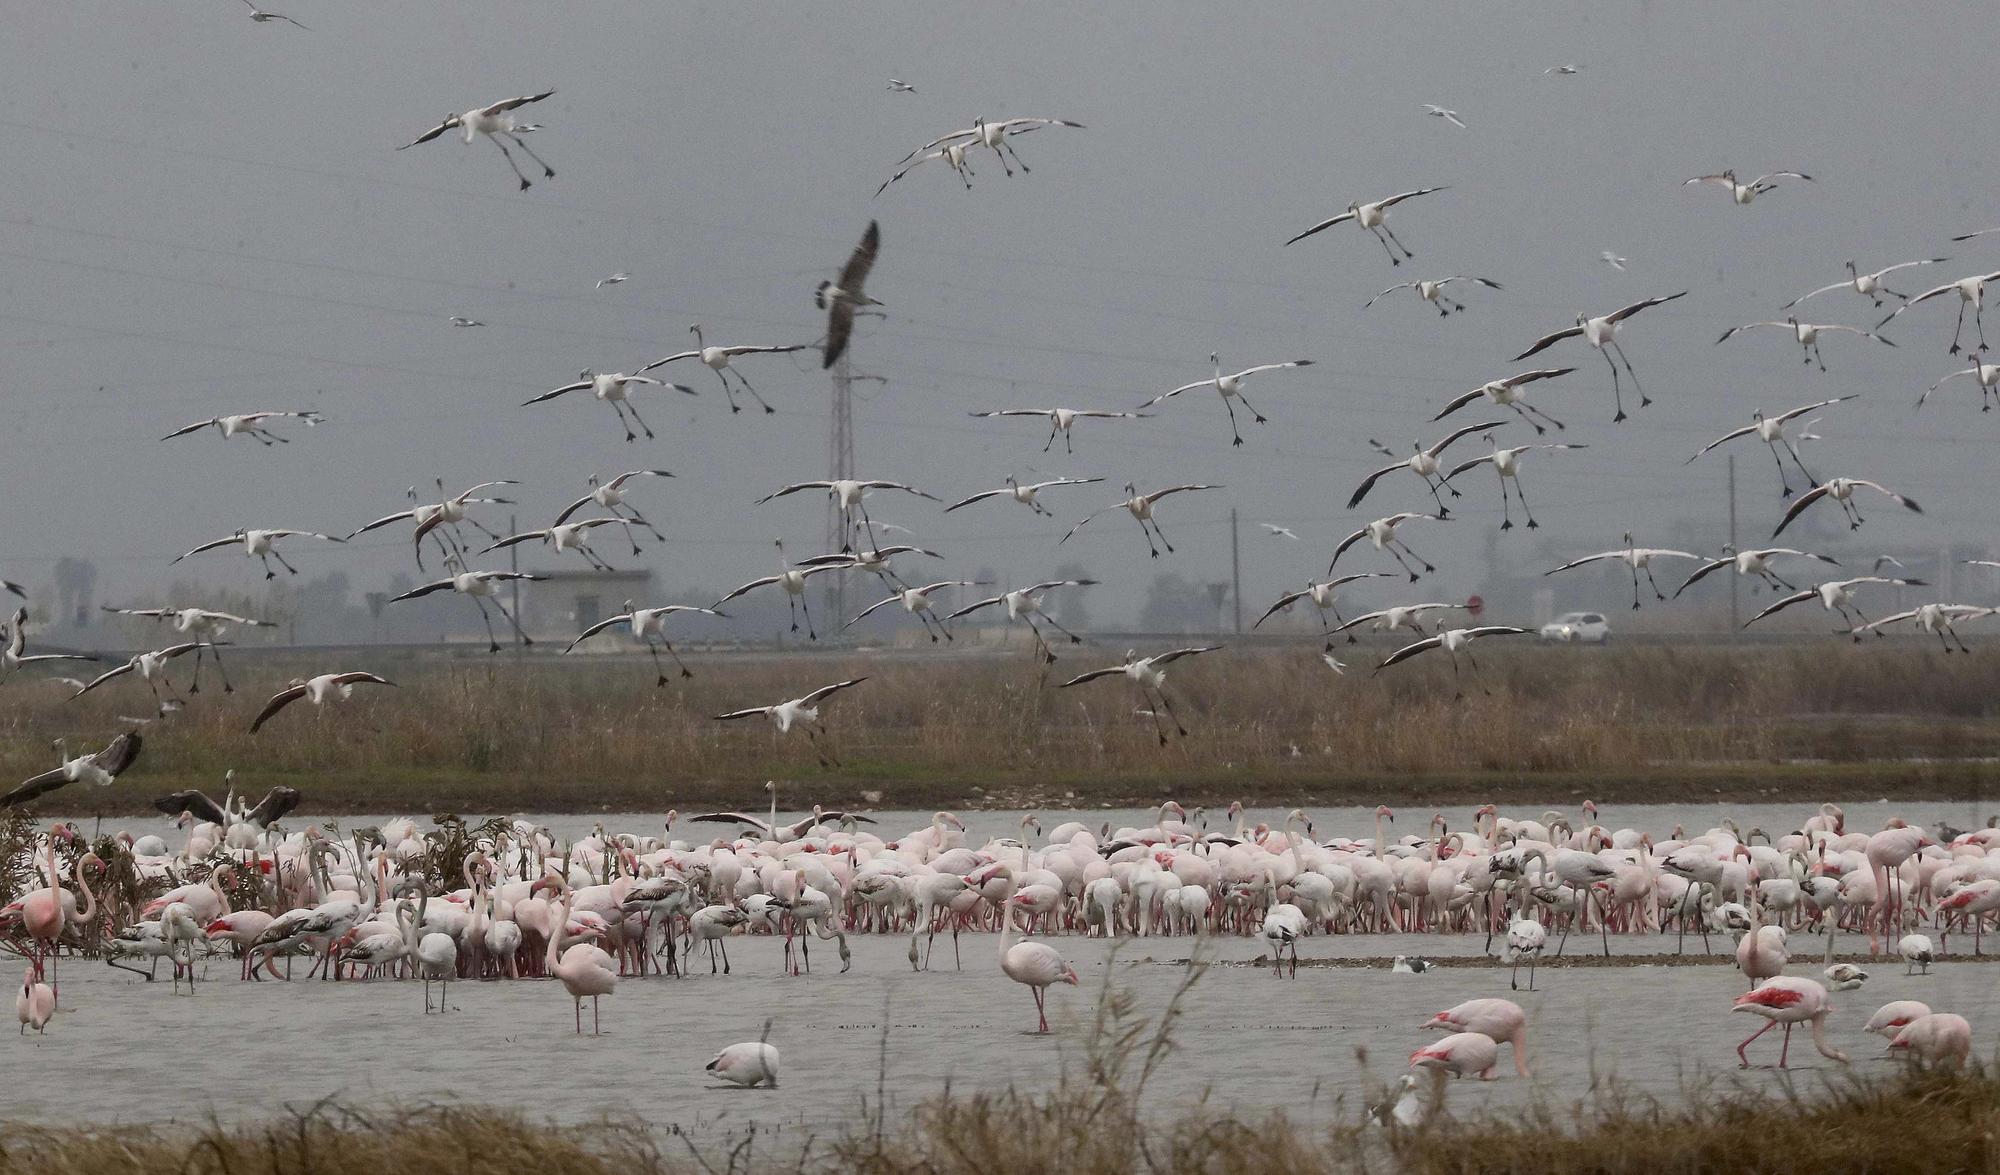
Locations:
(1500, 1020)
(45, 912)
(35, 1005)
(1033, 963)
(1788, 1000)
(1461, 1054)
(585, 969)
(1891, 1017)
(1886, 852)
(1937, 1039)
(242, 928)
(1761, 953)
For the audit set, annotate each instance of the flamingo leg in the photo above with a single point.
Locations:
(1740, 1056)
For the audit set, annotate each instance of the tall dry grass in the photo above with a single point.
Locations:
(573, 732)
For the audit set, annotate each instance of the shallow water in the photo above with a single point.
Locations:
(126, 1050)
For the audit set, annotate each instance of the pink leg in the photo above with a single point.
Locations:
(1785, 1052)
(1768, 1025)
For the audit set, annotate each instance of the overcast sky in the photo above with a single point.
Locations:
(201, 214)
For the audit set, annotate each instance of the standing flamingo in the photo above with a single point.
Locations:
(585, 968)
(1788, 1000)
(1033, 963)
(1937, 1039)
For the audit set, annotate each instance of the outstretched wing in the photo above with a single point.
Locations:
(193, 803)
(827, 690)
(1170, 657)
(278, 702)
(432, 133)
(1093, 675)
(1322, 226)
(1285, 601)
(580, 385)
(209, 546)
(1368, 483)
(1781, 605)
(275, 806)
(197, 426)
(1628, 311)
(42, 784)
(979, 497)
(1409, 651)
(751, 586)
(1798, 507)
(600, 626)
(1701, 572)
(425, 590)
(1399, 197)
(1547, 341)
(1584, 560)
(977, 605)
(506, 104)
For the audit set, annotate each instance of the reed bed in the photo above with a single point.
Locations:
(581, 733)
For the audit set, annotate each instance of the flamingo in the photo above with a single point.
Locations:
(1507, 465)
(1771, 430)
(319, 690)
(260, 545)
(14, 653)
(1452, 641)
(610, 495)
(1140, 507)
(1229, 387)
(98, 767)
(1381, 534)
(1324, 595)
(1807, 333)
(1525, 936)
(1787, 1000)
(1752, 562)
(848, 493)
(1988, 375)
(247, 424)
(802, 712)
(1035, 964)
(481, 586)
(1150, 674)
(204, 625)
(646, 623)
(1462, 1054)
(1507, 393)
(585, 969)
(1971, 291)
(992, 135)
(1636, 558)
(497, 123)
(1841, 490)
(1602, 334)
(1743, 193)
(1024, 494)
(1431, 290)
(613, 388)
(747, 1064)
(1424, 462)
(793, 580)
(1941, 619)
(1061, 420)
(448, 511)
(1396, 617)
(1891, 1017)
(35, 1004)
(1024, 604)
(1835, 595)
(1940, 1038)
(1868, 285)
(1499, 1020)
(718, 360)
(1374, 217)
(917, 602)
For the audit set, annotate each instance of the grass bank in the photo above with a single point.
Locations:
(1655, 723)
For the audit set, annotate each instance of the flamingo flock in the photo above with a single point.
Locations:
(508, 901)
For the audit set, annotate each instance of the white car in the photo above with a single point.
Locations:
(1586, 628)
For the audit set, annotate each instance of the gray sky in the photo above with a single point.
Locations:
(201, 215)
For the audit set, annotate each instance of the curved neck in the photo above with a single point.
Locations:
(558, 920)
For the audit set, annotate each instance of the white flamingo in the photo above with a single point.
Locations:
(1424, 463)
(1381, 534)
(1024, 494)
(260, 545)
(319, 690)
(247, 424)
(646, 624)
(1841, 489)
(800, 712)
(1140, 507)
(1150, 675)
(793, 580)
(1971, 291)
(1375, 218)
(1868, 285)
(481, 586)
(613, 388)
(1229, 387)
(1062, 419)
(1743, 193)
(1807, 333)
(498, 124)
(1507, 393)
(1771, 430)
(1602, 334)
(718, 360)
(1636, 558)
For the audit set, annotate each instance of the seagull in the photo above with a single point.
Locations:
(793, 580)
(449, 511)
(1841, 489)
(718, 359)
(148, 665)
(1506, 463)
(843, 297)
(1771, 430)
(260, 544)
(1325, 596)
(917, 602)
(1745, 193)
(994, 135)
(1452, 641)
(14, 654)
(1971, 291)
(17, 589)
(204, 626)
(317, 690)
(1450, 116)
(1140, 507)
(1374, 217)
(1382, 533)
(1934, 618)
(615, 279)
(1868, 285)
(1060, 419)
(1988, 375)
(614, 388)
(1835, 595)
(1025, 604)
(461, 320)
(1807, 333)
(481, 586)
(1602, 333)
(1228, 387)
(1432, 291)
(1507, 393)
(1634, 558)
(275, 806)
(1613, 260)
(646, 623)
(610, 495)
(1279, 532)
(899, 86)
(1424, 461)
(497, 123)
(1753, 562)
(99, 767)
(1150, 675)
(249, 424)
(1334, 663)
(261, 17)
(1563, 70)
(1410, 616)
(952, 153)
(1024, 494)
(567, 536)
(848, 493)
(803, 712)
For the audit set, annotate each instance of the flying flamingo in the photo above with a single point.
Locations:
(495, 122)
(1033, 963)
(1788, 1000)
(1500, 1020)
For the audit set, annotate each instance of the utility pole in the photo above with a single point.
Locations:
(840, 467)
(1235, 571)
(1735, 608)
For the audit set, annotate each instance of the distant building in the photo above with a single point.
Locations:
(562, 604)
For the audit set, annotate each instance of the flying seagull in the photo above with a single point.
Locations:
(840, 298)
(1450, 116)
(260, 16)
